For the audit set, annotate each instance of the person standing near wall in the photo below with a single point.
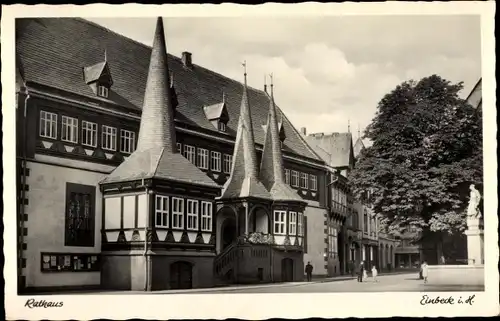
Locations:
(361, 269)
(309, 270)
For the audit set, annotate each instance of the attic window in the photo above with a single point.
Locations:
(222, 126)
(102, 91)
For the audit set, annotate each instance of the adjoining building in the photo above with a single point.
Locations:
(141, 170)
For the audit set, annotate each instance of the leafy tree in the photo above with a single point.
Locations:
(426, 151)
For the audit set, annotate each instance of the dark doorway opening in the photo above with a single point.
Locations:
(228, 232)
(181, 275)
(287, 270)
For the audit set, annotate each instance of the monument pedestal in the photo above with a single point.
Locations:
(475, 241)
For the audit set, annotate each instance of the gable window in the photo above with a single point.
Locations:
(108, 137)
(69, 132)
(202, 158)
(222, 126)
(292, 224)
(304, 179)
(162, 211)
(227, 164)
(102, 91)
(179, 147)
(192, 215)
(80, 215)
(89, 133)
(48, 125)
(314, 182)
(300, 224)
(215, 161)
(295, 178)
(279, 222)
(189, 153)
(206, 216)
(127, 141)
(177, 213)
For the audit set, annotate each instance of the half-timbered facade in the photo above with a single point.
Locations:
(80, 94)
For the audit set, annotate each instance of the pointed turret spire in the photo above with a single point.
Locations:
(348, 125)
(243, 181)
(359, 132)
(105, 55)
(271, 169)
(157, 120)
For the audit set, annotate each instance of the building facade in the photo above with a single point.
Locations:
(125, 155)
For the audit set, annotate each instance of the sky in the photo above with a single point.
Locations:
(328, 71)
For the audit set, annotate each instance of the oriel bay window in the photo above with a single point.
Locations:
(292, 223)
(89, 133)
(206, 216)
(69, 130)
(192, 215)
(162, 214)
(279, 222)
(177, 213)
(300, 224)
(48, 125)
(80, 215)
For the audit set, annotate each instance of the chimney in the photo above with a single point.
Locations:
(303, 130)
(186, 59)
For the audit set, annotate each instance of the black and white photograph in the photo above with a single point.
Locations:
(152, 153)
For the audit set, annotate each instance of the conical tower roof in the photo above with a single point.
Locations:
(156, 155)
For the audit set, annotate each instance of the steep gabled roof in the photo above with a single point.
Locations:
(156, 155)
(334, 148)
(476, 95)
(53, 52)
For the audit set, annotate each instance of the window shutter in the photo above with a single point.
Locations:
(304, 242)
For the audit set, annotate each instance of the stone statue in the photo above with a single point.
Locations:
(475, 197)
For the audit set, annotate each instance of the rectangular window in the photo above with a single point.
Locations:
(292, 224)
(80, 215)
(177, 213)
(300, 224)
(89, 133)
(189, 153)
(69, 131)
(162, 216)
(279, 222)
(304, 242)
(206, 216)
(304, 180)
(108, 138)
(102, 91)
(228, 162)
(179, 147)
(202, 158)
(215, 161)
(48, 125)
(295, 178)
(69, 262)
(314, 182)
(192, 215)
(222, 126)
(287, 176)
(127, 141)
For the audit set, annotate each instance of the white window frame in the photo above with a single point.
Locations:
(127, 139)
(111, 133)
(190, 153)
(304, 180)
(203, 158)
(227, 163)
(215, 161)
(192, 214)
(300, 224)
(48, 125)
(295, 178)
(292, 223)
(177, 213)
(102, 91)
(206, 216)
(222, 126)
(89, 130)
(69, 129)
(287, 176)
(279, 222)
(314, 182)
(162, 216)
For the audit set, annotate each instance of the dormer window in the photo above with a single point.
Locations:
(102, 91)
(222, 126)
(217, 114)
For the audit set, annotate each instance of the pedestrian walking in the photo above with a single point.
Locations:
(424, 270)
(365, 274)
(309, 271)
(360, 271)
(374, 274)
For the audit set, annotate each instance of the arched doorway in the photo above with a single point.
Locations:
(287, 270)
(181, 275)
(229, 234)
